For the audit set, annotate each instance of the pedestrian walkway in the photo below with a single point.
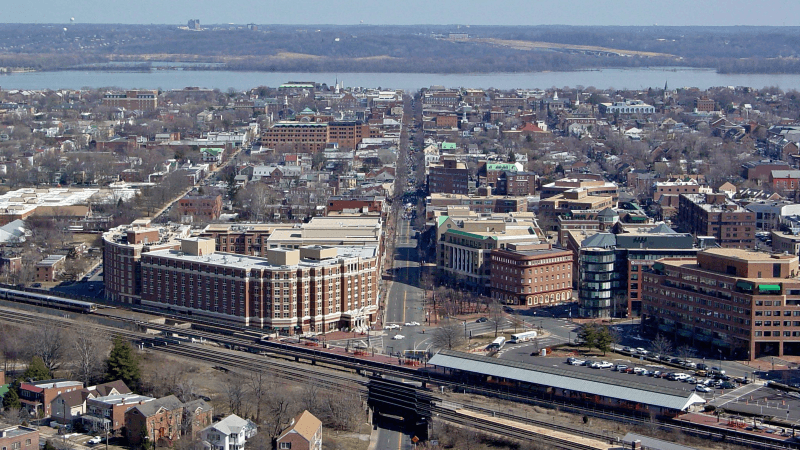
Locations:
(734, 394)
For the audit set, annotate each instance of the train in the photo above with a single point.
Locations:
(49, 301)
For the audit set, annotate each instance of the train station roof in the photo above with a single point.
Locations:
(627, 390)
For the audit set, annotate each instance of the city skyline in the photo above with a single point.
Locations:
(413, 12)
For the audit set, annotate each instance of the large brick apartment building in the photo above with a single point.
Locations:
(313, 288)
(533, 275)
(145, 100)
(718, 216)
(313, 137)
(742, 302)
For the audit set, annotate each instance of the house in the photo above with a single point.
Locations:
(38, 396)
(304, 433)
(230, 433)
(157, 420)
(165, 420)
(69, 406)
(108, 413)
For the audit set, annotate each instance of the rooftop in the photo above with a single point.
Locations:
(255, 262)
(595, 384)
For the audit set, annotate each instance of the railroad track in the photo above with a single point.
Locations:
(295, 371)
(509, 431)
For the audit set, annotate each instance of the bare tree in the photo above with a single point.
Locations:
(259, 384)
(10, 346)
(449, 335)
(661, 345)
(496, 314)
(280, 408)
(50, 344)
(89, 347)
(685, 352)
(341, 411)
(236, 395)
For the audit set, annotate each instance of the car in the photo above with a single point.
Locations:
(482, 320)
(621, 368)
(727, 385)
(656, 374)
(690, 364)
(645, 373)
(398, 337)
(408, 324)
(95, 440)
(392, 326)
(595, 365)
(605, 365)
(641, 351)
(627, 349)
(578, 362)
(676, 361)
(691, 380)
(702, 388)
(639, 370)
(414, 324)
(36, 285)
(702, 366)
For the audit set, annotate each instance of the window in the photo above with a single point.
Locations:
(285, 445)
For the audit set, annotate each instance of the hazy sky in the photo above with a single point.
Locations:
(403, 12)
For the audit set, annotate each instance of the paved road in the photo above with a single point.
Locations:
(404, 304)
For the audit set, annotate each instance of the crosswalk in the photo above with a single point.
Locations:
(541, 342)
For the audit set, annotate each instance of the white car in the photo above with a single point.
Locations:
(95, 440)
(392, 326)
(414, 324)
(605, 365)
(398, 337)
(702, 388)
(641, 351)
(577, 362)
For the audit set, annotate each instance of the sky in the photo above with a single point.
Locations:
(410, 12)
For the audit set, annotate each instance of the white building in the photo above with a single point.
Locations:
(230, 433)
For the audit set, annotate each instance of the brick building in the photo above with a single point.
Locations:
(348, 134)
(448, 177)
(37, 396)
(295, 137)
(165, 420)
(532, 275)
(704, 104)
(480, 204)
(716, 215)
(741, 302)
(516, 183)
(49, 268)
(108, 413)
(570, 201)
(313, 288)
(19, 437)
(203, 208)
(122, 252)
(143, 100)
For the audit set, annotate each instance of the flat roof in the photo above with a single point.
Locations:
(256, 262)
(632, 391)
(749, 255)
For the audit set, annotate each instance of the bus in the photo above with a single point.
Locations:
(497, 344)
(522, 337)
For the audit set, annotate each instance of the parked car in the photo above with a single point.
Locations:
(95, 440)
(482, 319)
(690, 364)
(639, 370)
(656, 374)
(627, 349)
(392, 326)
(702, 366)
(702, 388)
(641, 351)
(605, 365)
(398, 337)
(727, 385)
(578, 362)
(621, 368)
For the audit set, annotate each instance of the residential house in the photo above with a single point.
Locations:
(69, 406)
(159, 420)
(230, 433)
(304, 433)
(108, 413)
(38, 396)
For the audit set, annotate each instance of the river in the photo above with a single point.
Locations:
(639, 78)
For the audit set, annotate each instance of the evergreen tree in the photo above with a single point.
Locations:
(123, 364)
(11, 399)
(36, 370)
